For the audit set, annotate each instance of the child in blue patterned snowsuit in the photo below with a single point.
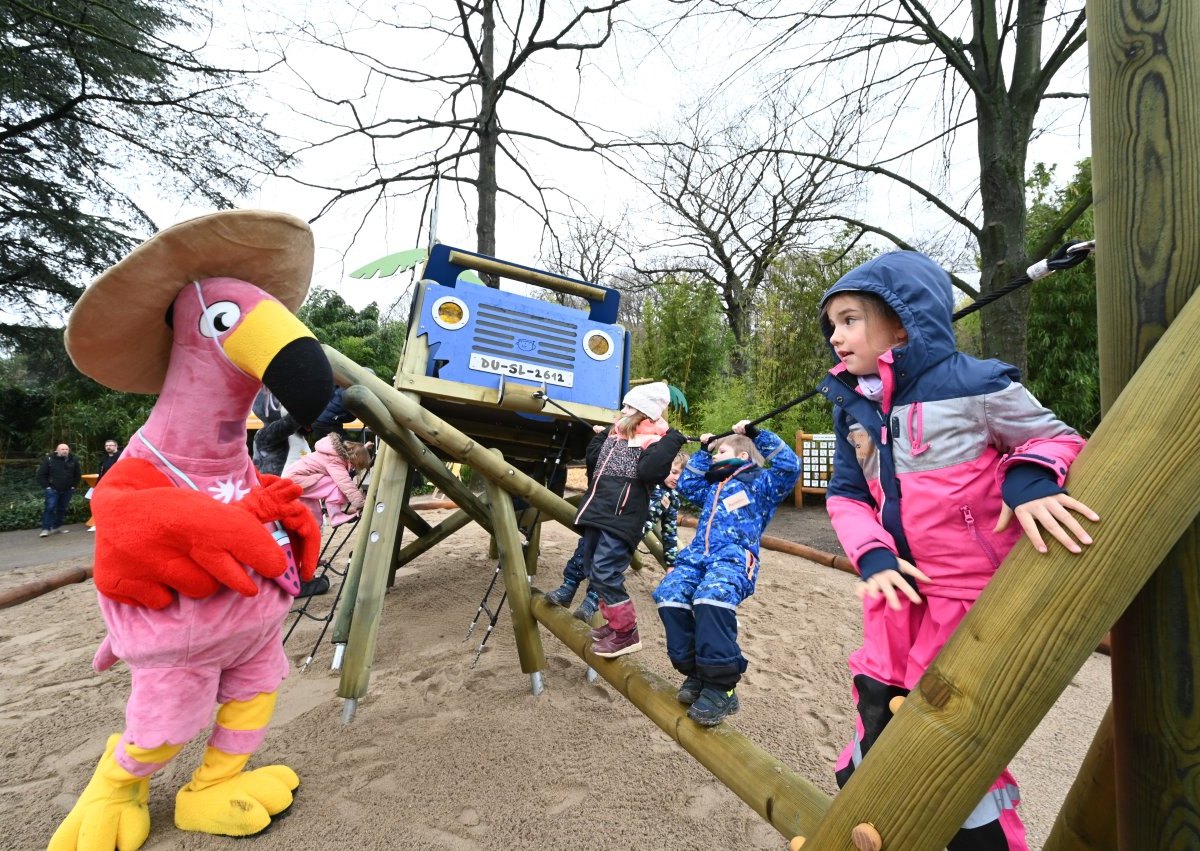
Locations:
(698, 600)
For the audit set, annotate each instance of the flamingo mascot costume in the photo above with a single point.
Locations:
(197, 555)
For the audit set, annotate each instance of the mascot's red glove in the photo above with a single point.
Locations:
(279, 499)
(158, 538)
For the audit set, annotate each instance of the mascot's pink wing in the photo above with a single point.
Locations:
(156, 539)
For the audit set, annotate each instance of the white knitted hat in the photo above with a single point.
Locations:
(650, 399)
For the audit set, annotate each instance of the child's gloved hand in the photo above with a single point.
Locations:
(745, 427)
(1052, 513)
(888, 582)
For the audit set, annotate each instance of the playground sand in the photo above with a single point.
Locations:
(444, 754)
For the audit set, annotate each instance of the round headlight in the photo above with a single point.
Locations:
(598, 345)
(450, 313)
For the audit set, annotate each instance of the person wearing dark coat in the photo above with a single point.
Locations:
(624, 464)
(112, 454)
(58, 477)
(333, 418)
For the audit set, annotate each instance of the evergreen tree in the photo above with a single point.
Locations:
(362, 336)
(683, 340)
(95, 98)
(1064, 358)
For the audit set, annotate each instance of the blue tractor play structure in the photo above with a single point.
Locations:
(524, 374)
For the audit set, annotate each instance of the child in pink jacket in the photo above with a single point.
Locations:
(937, 454)
(327, 475)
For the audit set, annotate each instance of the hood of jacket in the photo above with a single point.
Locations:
(331, 444)
(919, 290)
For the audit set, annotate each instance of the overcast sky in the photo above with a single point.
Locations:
(631, 85)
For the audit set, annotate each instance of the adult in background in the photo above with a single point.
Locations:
(112, 454)
(58, 477)
(333, 418)
(280, 441)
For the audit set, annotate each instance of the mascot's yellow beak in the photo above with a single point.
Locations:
(275, 347)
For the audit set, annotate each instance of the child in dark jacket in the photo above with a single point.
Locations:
(663, 516)
(628, 462)
(698, 599)
(664, 510)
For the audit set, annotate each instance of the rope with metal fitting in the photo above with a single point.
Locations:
(1067, 256)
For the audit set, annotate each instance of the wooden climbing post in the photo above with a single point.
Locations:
(1145, 102)
(1087, 820)
(380, 543)
(516, 582)
(345, 612)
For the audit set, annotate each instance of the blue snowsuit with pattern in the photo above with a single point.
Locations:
(698, 599)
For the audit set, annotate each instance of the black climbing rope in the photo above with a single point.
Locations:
(1068, 255)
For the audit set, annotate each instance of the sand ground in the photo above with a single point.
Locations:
(449, 753)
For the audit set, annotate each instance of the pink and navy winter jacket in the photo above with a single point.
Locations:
(952, 437)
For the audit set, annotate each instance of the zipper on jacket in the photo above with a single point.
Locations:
(624, 498)
(712, 515)
(969, 519)
(595, 484)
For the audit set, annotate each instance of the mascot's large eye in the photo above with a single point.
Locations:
(219, 318)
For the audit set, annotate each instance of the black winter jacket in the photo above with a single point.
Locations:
(106, 463)
(620, 479)
(271, 445)
(59, 473)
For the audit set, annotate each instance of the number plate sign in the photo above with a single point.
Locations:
(520, 369)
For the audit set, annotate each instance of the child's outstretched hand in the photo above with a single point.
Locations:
(1052, 513)
(888, 582)
(740, 426)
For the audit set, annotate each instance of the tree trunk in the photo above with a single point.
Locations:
(739, 324)
(488, 129)
(1003, 141)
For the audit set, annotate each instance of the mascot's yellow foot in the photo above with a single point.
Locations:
(110, 814)
(225, 801)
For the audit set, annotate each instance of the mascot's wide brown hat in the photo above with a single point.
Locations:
(117, 332)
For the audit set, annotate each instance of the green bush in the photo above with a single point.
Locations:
(26, 512)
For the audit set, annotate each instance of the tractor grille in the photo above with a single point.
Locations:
(515, 334)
